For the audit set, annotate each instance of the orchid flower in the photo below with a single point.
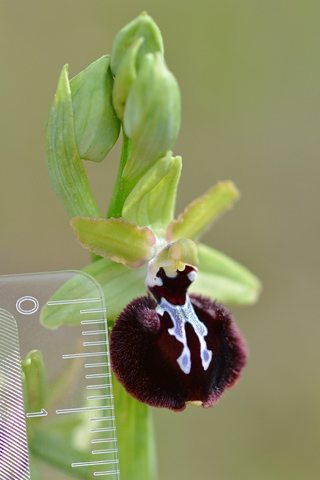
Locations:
(160, 343)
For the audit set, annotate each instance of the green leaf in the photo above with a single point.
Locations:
(135, 434)
(114, 238)
(151, 116)
(80, 286)
(35, 470)
(201, 213)
(141, 27)
(224, 279)
(57, 451)
(65, 170)
(152, 201)
(120, 285)
(96, 126)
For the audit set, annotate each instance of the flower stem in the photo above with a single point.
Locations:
(122, 186)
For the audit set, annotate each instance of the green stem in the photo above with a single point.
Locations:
(136, 439)
(135, 435)
(122, 187)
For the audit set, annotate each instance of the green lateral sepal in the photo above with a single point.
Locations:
(225, 280)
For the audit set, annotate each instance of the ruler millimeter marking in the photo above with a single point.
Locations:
(66, 356)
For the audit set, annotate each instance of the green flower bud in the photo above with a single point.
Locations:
(152, 115)
(96, 126)
(141, 27)
(126, 74)
(35, 381)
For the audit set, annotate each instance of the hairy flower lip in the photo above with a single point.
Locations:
(146, 356)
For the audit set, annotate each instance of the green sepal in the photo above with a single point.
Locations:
(65, 170)
(151, 116)
(141, 27)
(224, 279)
(96, 125)
(35, 384)
(114, 238)
(120, 285)
(126, 74)
(152, 201)
(203, 212)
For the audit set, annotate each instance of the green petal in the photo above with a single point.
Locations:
(152, 201)
(224, 279)
(96, 125)
(65, 170)
(201, 213)
(121, 241)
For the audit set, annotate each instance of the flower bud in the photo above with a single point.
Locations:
(126, 74)
(139, 37)
(141, 27)
(34, 381)
(152, 115)
(96, 126)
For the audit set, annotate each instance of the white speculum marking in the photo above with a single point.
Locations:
(180, 315)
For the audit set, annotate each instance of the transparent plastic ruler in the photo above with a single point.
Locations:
(56, 399)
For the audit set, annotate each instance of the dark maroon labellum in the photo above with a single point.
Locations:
(172, 349)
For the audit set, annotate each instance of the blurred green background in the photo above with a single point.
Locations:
(249, 75)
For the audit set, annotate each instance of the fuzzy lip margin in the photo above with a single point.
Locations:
(144, 356)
